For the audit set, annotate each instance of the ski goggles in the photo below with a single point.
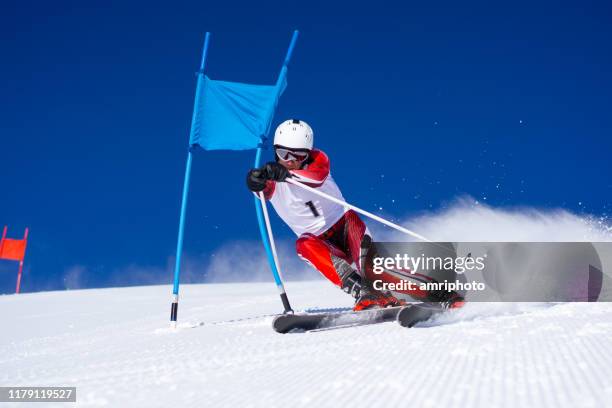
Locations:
(286, 154)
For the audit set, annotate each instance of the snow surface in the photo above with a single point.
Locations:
(116, 347)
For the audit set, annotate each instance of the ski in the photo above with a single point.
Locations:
(317, 321)
(406, 316)
(410, 315)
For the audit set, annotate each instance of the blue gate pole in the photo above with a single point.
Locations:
(181, 231)
(258, 204)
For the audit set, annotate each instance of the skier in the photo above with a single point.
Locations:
(330, 238)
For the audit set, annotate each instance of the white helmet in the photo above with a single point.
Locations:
(294, 134)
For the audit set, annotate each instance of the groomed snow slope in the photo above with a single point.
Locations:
(114, 345)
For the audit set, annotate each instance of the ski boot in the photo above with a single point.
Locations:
(456, 301)
(370, 298)
(365, 296)
(446, 299)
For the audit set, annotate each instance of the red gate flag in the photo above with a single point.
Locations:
(14, 250)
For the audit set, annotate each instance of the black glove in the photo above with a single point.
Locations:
(256, 180)
(276, 171)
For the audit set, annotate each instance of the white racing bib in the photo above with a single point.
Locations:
(304, 211)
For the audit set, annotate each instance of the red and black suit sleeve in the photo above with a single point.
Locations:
(316, 170)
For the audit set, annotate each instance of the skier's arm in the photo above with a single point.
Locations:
(316, 172)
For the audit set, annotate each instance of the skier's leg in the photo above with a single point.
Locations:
(354, 233)
(323, 254)
(348, 235)
(324, 257)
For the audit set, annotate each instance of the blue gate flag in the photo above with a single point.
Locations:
(233, 115)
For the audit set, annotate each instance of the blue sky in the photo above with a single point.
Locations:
(415, 103)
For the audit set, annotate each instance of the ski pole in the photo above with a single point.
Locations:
(281, 287)
(359, 210)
